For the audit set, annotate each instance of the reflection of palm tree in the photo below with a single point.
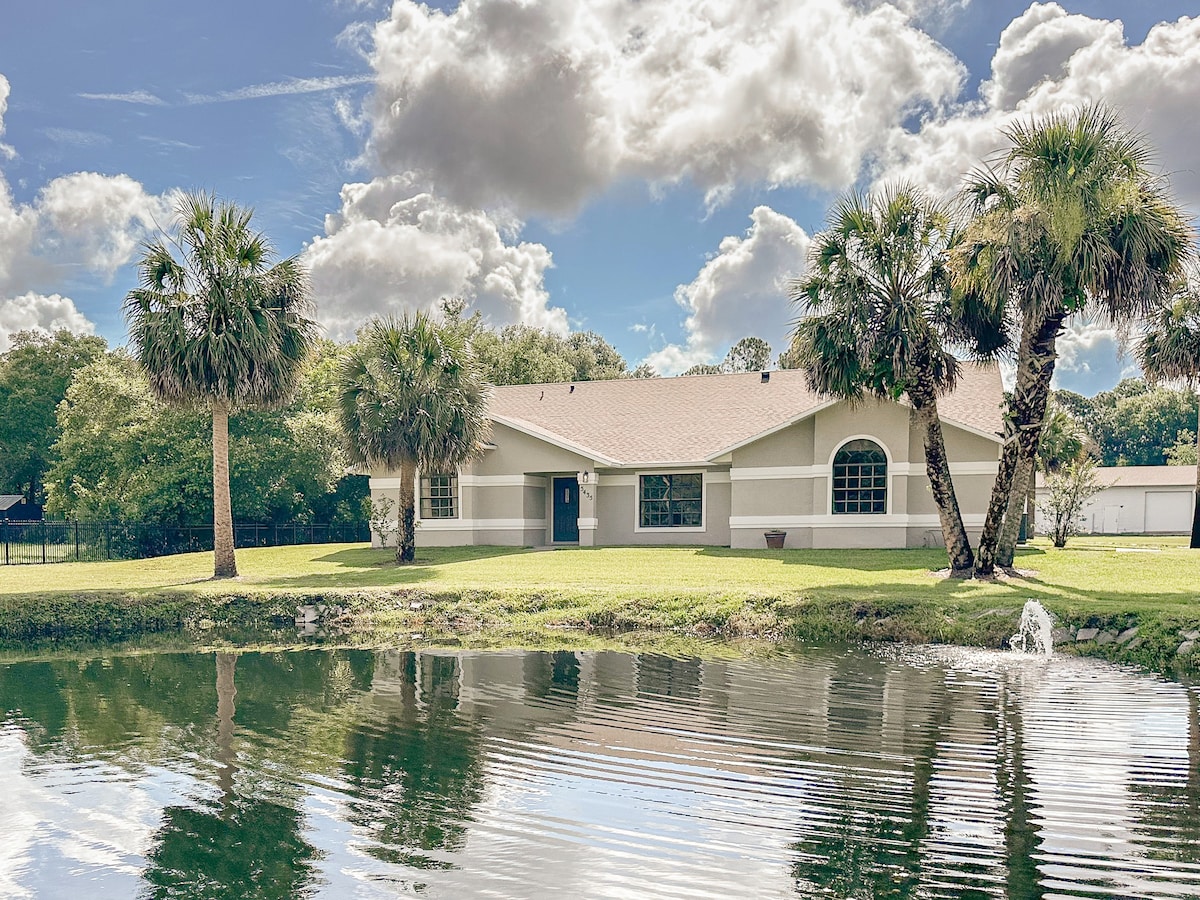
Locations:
(1021, 840)
(247, 846)
(426, 763)
(226, 692)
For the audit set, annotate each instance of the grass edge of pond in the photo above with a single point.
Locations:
(524, 617)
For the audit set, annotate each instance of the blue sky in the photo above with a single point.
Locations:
(649, 171)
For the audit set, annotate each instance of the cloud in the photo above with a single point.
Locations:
(144, 98)
(740, 292)
(281, 88)
(396, 246)
(538, 107)
(38, 312)
(1050, 61)
(79, 224)
(5, 150)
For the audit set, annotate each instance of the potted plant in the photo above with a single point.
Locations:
(775, 539)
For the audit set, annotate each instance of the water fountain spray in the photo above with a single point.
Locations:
(1034, 634)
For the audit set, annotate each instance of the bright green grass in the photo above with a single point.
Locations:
(1091, 569)
(836, 594)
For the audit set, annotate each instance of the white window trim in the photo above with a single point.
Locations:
(863, 518)
(668, 529)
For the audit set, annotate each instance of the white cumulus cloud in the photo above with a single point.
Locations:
(1049, 61)
(397, 246)
(741, 291)
(539, 106)
(82, 224)
(37, 312)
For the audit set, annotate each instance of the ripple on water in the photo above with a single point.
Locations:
(929, 772)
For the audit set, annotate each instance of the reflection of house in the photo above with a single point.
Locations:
(1139, 500)
(15, 508)
(715, 460)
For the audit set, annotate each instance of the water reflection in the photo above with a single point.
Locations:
(514, 774)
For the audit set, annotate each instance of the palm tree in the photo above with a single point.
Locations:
(216, 324)
(1170, 351)
(877, 321)
(1070, 222)
(411, 397)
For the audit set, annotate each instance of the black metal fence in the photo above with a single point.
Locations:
(51, 542)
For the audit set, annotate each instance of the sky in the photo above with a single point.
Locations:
(650, 170)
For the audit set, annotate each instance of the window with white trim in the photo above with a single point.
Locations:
(439, 497)
(671, 501)
(860, 479)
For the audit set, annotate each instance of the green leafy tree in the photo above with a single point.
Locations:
(877, 320)
(216, 323)
(1184, 451)
(750, 354)
(412, 397)
(34, 375)
(123, 455)
(1170, 349)
(1071, 221)
(1136, 423)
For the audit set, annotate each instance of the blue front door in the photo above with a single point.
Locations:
(566, 510)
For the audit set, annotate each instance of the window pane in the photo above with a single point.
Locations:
(671, 501)
(860, 479)
(439, 497)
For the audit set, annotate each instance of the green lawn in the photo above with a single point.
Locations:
(880, 593)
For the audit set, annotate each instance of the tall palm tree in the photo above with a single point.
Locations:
(411, 397)
(215, 323)
(876, 320)
(1170, 351)
(1070, 221)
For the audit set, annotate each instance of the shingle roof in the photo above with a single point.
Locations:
(7, 501)
(694, 418)
(1141, 476)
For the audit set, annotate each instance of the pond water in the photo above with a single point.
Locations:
(801, 772)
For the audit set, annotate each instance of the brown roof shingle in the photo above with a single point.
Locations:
(693, 418)
(1140, 476)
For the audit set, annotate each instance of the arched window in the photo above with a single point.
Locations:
(860, 478)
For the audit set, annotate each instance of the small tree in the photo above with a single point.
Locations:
(382, 520)
(1066, 493)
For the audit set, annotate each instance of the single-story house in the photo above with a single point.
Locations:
(15, 508)
(712, 460)
(1138, 500)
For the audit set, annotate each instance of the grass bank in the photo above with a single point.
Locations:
(1111, 584)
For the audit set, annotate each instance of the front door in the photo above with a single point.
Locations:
(566, 510)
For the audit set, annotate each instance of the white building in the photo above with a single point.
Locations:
(1140, 500)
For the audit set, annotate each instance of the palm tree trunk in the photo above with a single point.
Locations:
(224, 564)
(1195, 541)
(406, 540)
(1011, 529)
(1035, 367)
(937, 467)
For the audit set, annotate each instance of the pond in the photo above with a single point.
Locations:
(789, 772)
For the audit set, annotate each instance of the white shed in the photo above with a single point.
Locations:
(1140, 500)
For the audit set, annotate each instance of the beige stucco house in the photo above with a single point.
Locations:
(712, 460)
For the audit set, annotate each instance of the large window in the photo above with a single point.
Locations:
(671, 501)
(860, 478)
(439, 497)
